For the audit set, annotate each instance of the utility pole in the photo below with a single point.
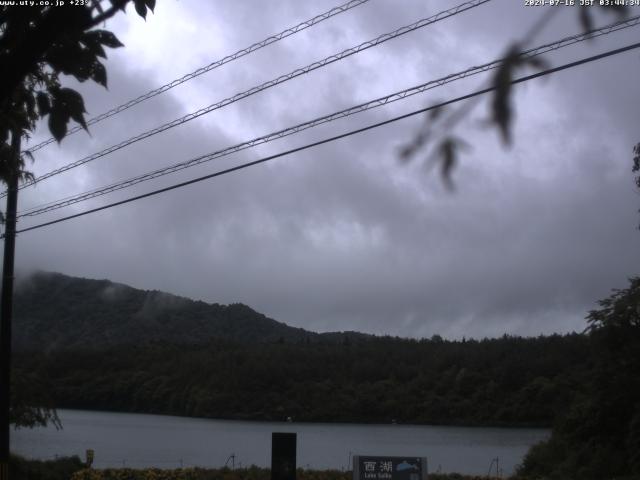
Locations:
(6, 303)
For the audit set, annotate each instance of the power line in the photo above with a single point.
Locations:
(334, 138)
(271, 83)
(218, 63)
(57, 204)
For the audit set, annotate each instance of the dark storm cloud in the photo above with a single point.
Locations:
(343, 236)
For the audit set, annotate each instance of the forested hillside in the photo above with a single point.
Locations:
(506, 381)
(55, 311)
(96, 344)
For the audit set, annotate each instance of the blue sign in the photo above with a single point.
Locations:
(389, 468)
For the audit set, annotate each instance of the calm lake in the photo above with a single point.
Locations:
(134, 440)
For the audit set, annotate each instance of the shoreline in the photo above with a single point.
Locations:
(319, 422)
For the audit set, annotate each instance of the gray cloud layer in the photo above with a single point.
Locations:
(343, 236)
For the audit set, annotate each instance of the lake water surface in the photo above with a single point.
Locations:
(134, 440)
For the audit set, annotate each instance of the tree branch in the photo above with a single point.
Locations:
(24, 57)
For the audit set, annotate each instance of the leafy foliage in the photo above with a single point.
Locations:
(586, 15)
(60, 469)
(441, 123)
(143, 5)
(600, 435)
(448, 151)
(31, 403)
(501, 108)
(636, 165)
(39, 43)
(619, 313)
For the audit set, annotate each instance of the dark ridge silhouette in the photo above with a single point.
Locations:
(59, 312)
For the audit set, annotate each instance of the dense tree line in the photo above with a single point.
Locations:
(507, 381)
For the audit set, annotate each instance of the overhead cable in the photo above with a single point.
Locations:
(334, 138)
(271, 83)
(218, 63)
(562, 43)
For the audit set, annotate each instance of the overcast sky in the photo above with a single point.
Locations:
(344, 236)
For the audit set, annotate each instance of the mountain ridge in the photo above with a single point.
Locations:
(53, 311)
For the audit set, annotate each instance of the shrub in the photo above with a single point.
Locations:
(60, 469)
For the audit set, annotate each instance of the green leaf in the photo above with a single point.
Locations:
(449, 150)
(58, 124)
(92, 41)
(72, 98)
(636, 163)
(501, 111)
(107, 38)
(72, 58)
(74, 104)
(449, 159)
(501, 104)
(99, 74)
(141, 8)
(67, 103)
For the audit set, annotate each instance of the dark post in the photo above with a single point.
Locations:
(283, 456)
(6, 306)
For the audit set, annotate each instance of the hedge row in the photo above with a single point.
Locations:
(72, 468)
(253, 473)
